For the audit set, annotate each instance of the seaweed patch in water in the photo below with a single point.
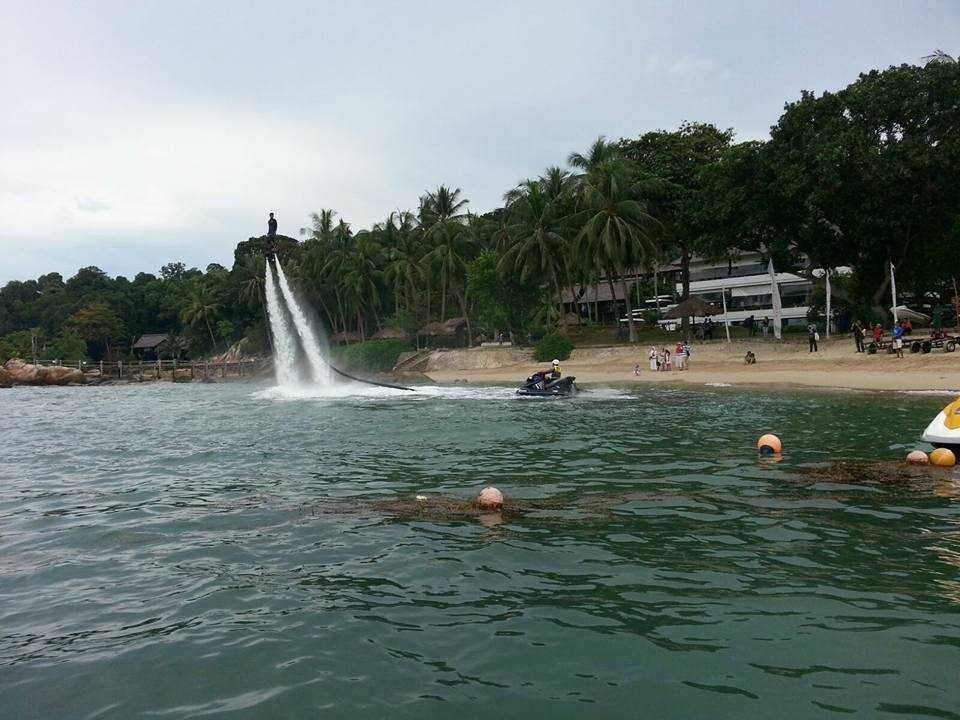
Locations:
(881, 472)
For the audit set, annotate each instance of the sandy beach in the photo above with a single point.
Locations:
(836, 366)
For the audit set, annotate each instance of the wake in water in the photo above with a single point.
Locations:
(291, 328)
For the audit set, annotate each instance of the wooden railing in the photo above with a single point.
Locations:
(172, 369)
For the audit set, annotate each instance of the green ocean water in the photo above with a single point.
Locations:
(171, 551)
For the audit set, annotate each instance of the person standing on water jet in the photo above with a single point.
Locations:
(271, 236)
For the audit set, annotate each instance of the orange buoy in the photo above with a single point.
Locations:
(769, 445)
(943, 457)
(917, 457)
(490, 499)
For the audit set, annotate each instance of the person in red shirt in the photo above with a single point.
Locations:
(877, 333)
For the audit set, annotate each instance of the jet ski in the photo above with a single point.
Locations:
(536, 386)
(944, 431)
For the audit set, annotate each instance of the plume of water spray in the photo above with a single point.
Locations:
(284, 344)
(322, 374)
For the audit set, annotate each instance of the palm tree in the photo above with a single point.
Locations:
(556, 183)
(251, 273)
(537, 229)
(329, 263)
(201, 307)
(442, 215)
(939, 56)
(617, 233)
(599, 153)
(403, 268)
(321, 225)
(447, 256)
(360, 272)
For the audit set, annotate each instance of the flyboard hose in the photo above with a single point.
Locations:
(368, 382)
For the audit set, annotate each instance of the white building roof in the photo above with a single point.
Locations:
(740, 285)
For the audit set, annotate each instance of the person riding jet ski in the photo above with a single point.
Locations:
(549, 383)
(543, 377)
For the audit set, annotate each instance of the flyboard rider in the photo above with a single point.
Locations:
(271, 245)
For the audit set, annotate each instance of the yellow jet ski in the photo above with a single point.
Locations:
(944, 431)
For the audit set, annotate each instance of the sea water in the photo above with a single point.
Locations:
(181, 551)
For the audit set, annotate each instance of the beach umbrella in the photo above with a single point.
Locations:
(693, 306)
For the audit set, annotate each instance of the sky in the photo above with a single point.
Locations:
(133, 134)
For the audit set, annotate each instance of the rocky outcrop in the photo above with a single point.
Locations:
(17, 372)
(237, 352)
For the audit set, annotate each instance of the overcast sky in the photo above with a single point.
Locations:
(136, 133)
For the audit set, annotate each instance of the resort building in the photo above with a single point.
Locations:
(746, 283)
(744, 280)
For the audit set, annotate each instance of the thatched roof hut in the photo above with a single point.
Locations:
(390, 333)
(693, 306)
(342, 338)
(150, 341)
(455, 325)
(448, 327)
(431, 330)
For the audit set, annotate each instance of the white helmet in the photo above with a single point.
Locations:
(556, 362)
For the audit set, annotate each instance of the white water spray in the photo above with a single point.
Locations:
(284, 347)
(322, 374)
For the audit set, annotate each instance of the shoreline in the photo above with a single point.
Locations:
(835, 367)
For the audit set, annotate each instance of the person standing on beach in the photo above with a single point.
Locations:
(686, 355)
(653, 358)
(858, 335)
(813, 336)
(897, 333)
(765, 325)
(678, 354)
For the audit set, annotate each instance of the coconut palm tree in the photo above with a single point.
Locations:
(403, 271)
(939, 56)
(202, 307)
(360, 273)
(442, 215)
(250, 271)
(321, 225)
(599, 153)
(618, 233)
(538, 230)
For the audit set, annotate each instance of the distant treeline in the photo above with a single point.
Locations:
(860, 178)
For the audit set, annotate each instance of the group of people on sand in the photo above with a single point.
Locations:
(662, 360)
(897, 332)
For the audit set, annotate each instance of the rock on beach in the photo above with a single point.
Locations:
(17, 372)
